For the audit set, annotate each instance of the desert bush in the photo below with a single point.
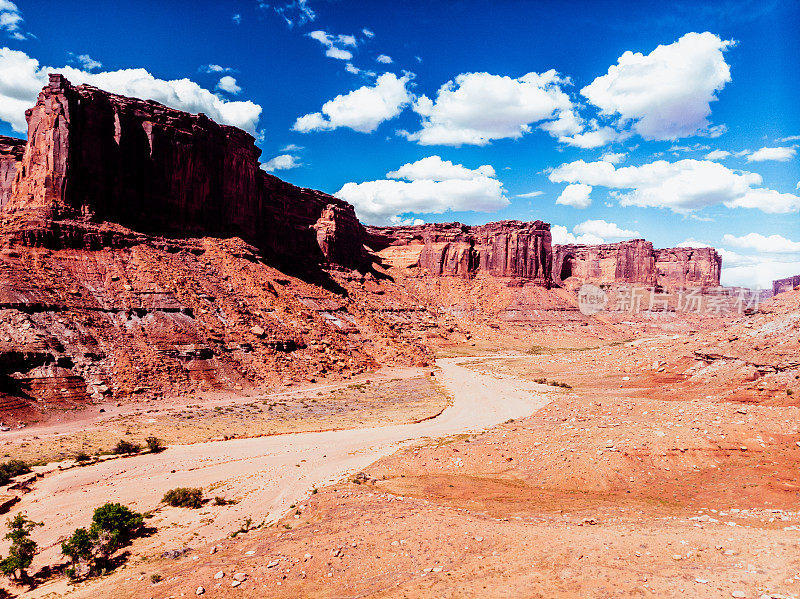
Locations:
(82, 456)
(184, 497)
(154, 578)
(22, 549)
(124, 446)
(113, 526)
(12, 468)
(79, 548)
(222, 501)
(154, 444)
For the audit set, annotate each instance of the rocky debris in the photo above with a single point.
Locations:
(200, 591)
(175, 553)
(501, 249)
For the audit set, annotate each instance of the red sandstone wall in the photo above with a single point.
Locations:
(11, 151)
(101, 157)
(636, 262)
(502, 249)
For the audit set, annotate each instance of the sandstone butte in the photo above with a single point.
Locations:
(143, 249)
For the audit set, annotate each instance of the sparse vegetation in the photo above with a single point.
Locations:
(82, 457)
(543, 381)
(12, 468)
(184, 497)
(22, 549)
(246, 526)
(154, 578)
(113, 526)
(222, 501)
(154, 444)
(123, 446)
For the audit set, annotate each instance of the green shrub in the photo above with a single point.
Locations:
(154, 444)
(124, 446)
(154, 578)
(222, 501)
(184, 497)
(113, 526)
(79, 548)
(22, 549)
(12, 468)
(82, 457)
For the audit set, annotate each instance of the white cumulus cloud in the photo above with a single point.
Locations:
(382, 58)
(717, 155)
(281, 162)
(11, 20)
(330, 42)
(228, 84)
(576, 195)
(85, 61)
(683, 186)
(477, 108)
(428, 186)
(604, 230)
(779, 154)
(665, 94)
(613, 157)
(362, 109)
(21, 80)
(530, 194)
(772, 244)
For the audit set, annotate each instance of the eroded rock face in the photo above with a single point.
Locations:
(626, 262)
(784, 285)
(636, 262)
(11, 151)
(96, 157)
(503, 249)
(688, 267)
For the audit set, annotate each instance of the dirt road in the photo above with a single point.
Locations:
(266, 475)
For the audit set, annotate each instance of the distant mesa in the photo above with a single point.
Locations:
(95, 159)
(783, 285)
(525, 251)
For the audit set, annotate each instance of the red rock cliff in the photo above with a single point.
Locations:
(95, 157)
(688, 267)
(502, 249)
(11, 151)
(636, 262)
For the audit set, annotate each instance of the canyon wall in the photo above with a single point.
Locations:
(636, 262)
(783, 285)
(11, 151)
(512, 249)
(96, 157)
(519, 250)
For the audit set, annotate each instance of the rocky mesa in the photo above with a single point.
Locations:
(95, 157)
(143, 251)
(524, 251)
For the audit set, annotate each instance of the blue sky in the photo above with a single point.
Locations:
(672, 121)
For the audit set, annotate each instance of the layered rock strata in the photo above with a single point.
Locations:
(512, 249)
(95, 157)
(11, 151)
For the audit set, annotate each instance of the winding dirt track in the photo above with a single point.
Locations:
(266, 474)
